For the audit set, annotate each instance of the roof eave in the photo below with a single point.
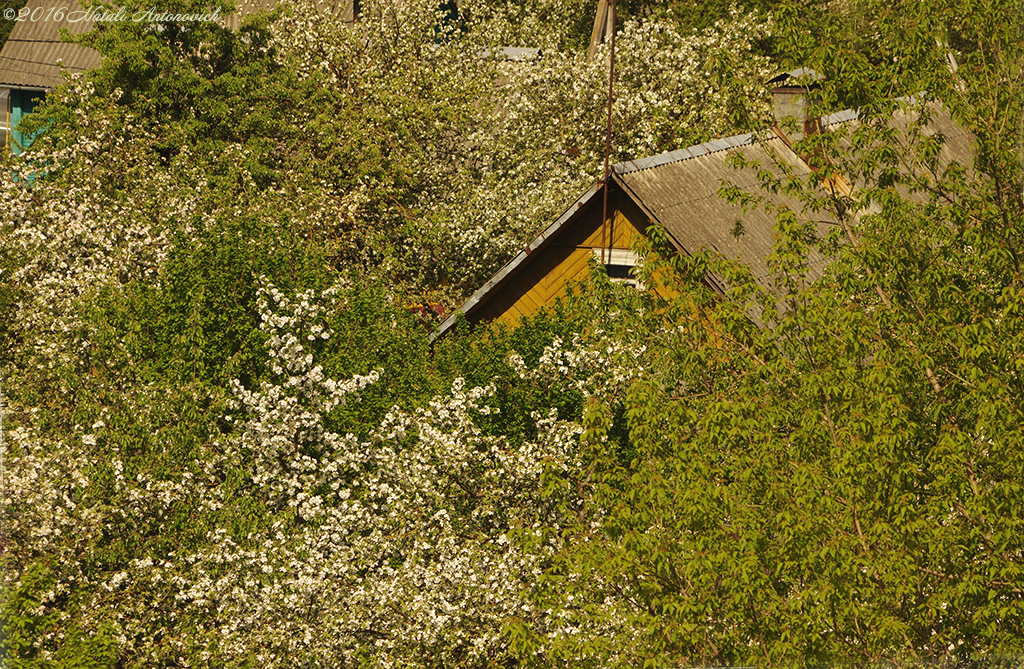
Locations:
(511, 268)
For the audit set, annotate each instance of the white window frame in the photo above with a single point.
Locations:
(620, 258)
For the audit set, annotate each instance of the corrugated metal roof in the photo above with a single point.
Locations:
(30, 56)
(683, 154)
(957, 145)
(618, 169)
(662, 185)
(840, 117)
(682, 195)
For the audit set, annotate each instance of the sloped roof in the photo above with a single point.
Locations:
(679, 189)
(957, 143)
(513, 265)
(30, 56)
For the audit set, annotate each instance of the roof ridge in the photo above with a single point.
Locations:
(695, 151)
(724, 143)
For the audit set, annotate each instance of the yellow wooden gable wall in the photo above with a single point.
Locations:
(564, 261)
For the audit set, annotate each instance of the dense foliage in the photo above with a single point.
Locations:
(227, 440)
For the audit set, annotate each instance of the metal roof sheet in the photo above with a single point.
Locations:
(678, 155)
(664, 185)
(957, 146)
(683, 197)
(680, 189)
(844, 116)
(32, 52)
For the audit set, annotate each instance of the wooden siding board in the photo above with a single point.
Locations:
(574, 269)
(549, 284)
(531, 300)
(540, 283)
(512, 294)
(625, 232)
(528, 301)
(526, 305)
(510, 317)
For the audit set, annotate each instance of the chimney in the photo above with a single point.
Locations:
(793, 99)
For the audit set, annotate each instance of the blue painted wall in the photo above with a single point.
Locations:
(22, 104)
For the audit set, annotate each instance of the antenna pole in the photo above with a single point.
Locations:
(608, 134)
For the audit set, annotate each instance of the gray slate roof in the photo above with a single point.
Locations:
(30, 56)
(670, 185)
(642, 179)
(680, 191)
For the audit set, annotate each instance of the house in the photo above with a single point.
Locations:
(30, 62)
(32, 57)
(677, 190)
